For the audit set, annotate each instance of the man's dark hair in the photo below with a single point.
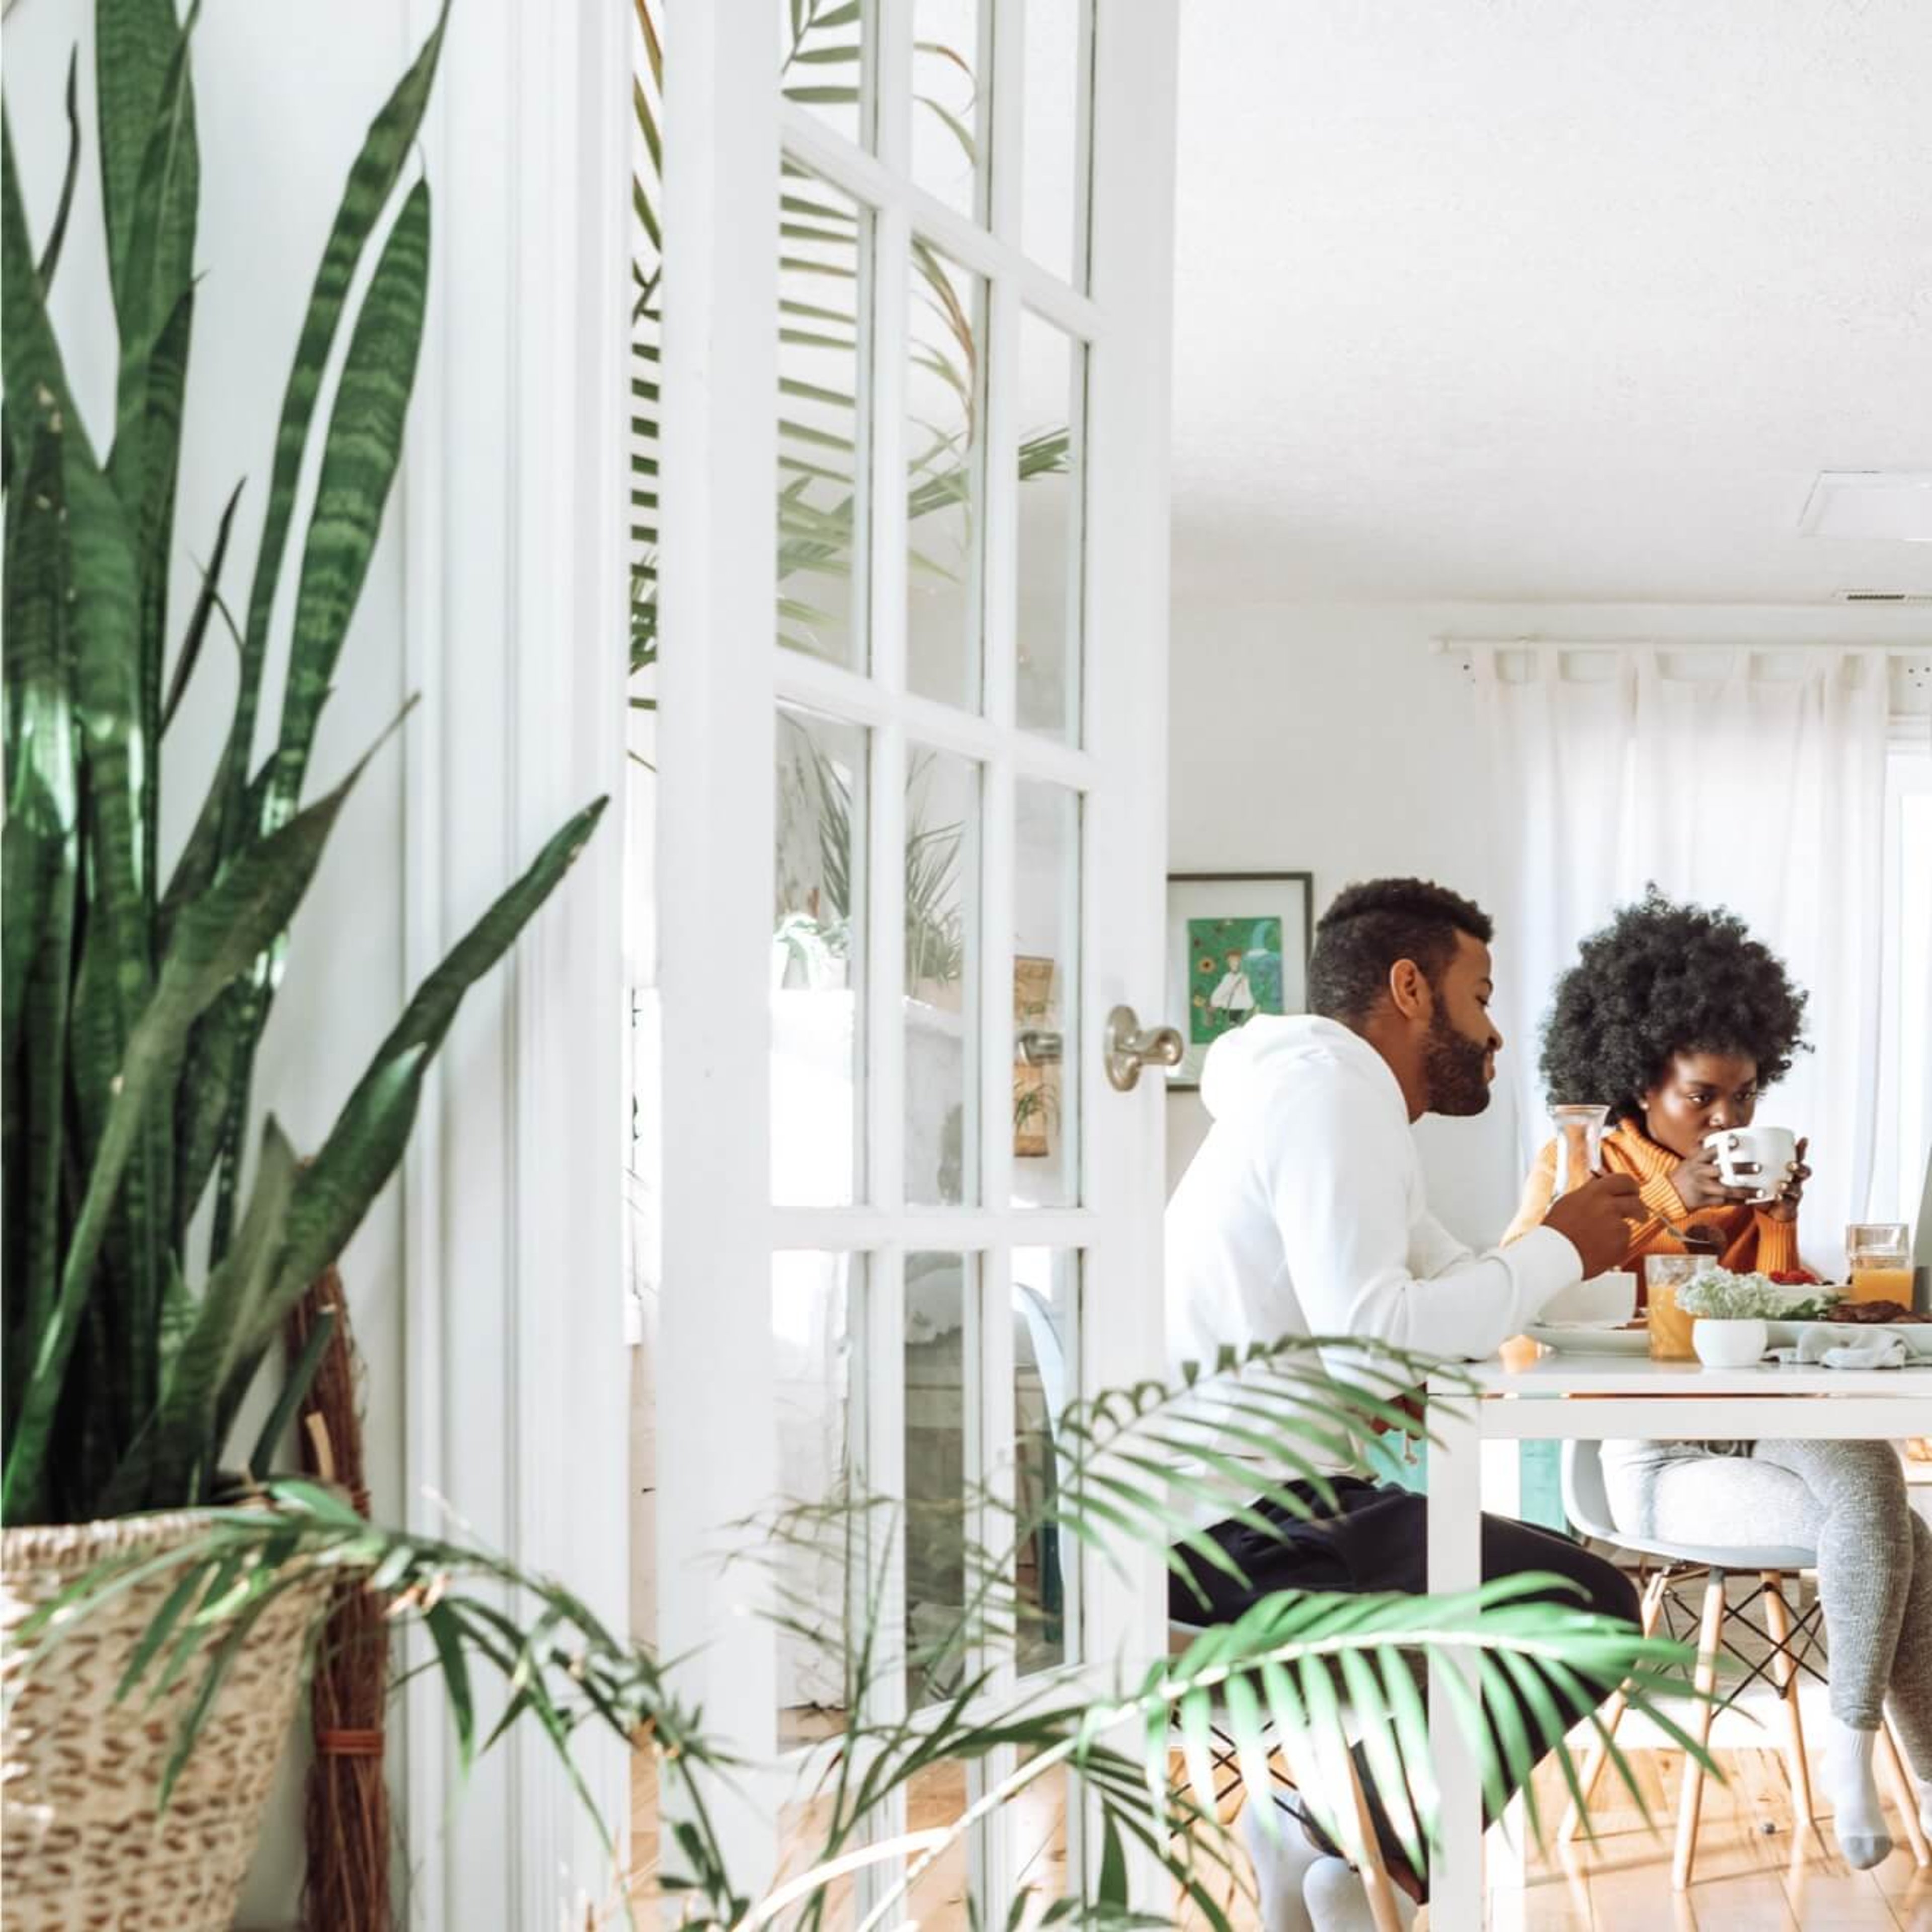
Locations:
(1372, 925)
(1662, 978)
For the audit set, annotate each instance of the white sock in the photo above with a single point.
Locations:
(1338, 1900)
(1281, 1857)
(1856, 1815)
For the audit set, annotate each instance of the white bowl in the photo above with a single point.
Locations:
(1729, 1345)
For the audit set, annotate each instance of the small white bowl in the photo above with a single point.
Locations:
(1729, 1345)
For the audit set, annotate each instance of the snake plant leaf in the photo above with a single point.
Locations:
(41, 851)
(50, 254)
(361, 453)
(175, 1458)
(359, 461)
(206, 598)
(217, 936)
(118, 965)
(372, 179)
(35, 377)
(361, 1152)
(134, 43)
(156, 273)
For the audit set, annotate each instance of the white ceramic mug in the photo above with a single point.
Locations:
(1757, 1158)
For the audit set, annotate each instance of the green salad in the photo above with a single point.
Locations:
(1719, 1295)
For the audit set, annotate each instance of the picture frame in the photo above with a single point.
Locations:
(1237, 945)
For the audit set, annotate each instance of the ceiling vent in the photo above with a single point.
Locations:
(1883, 596)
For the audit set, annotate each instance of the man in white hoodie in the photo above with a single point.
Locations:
(1304, 1213)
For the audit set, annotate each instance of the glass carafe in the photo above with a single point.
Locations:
(1579, 1143)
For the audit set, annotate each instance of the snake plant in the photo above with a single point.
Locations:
(156, 1234)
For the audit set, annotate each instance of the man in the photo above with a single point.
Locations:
(1304, 1213)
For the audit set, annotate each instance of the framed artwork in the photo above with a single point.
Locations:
(1237, 945)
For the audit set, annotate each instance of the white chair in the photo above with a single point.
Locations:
(1587, 1504)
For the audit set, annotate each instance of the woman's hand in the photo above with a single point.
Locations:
(1699, 1183)
(1783, 1205)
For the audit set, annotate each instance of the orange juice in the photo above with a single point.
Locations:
(1875, 1283)
(1670, 1326)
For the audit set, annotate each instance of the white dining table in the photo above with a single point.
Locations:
(1631, 1397)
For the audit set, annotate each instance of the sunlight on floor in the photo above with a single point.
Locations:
(1751, 1877)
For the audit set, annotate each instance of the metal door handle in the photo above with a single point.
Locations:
(1038, 1049)
(1128, 1047)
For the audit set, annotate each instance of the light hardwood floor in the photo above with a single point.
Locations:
(1752, 1876)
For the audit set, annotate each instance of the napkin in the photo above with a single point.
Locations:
(1843, 1347)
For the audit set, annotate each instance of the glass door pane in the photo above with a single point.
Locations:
(1046, 979)
(818, 952)
(939, 1385)
(824, 255)
(1054, 196)
(944, 436)
(817, 1560)
(1046, 1379)
(1053, 385)
(825, 60)
(941, 1035)
(948, 143)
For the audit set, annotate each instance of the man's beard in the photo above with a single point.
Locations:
(1456, 1068)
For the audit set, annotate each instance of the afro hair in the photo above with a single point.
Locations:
(1660, 980)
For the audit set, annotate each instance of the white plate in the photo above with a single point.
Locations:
(1590, 1338)
(1917, 1335)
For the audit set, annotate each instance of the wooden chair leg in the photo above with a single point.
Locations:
(1597, 1755)
(1904, 1793)
(1699, 1728)
(1376, 1880)
(1784, 1670)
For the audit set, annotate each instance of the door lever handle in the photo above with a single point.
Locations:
(1039, 1049)
(1129, 1046)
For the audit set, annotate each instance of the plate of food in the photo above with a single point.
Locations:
(1849, 1321)
(1593, 1338)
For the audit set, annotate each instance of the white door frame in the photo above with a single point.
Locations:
(514, 514)
(720, 677)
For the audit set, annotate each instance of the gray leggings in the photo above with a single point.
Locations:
(1847, 1501)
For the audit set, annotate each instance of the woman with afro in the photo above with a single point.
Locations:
(1678, 1019)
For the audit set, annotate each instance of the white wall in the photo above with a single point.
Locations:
(284, 94)
(1327, 738)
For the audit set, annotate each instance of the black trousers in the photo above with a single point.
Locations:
(1376, 1537)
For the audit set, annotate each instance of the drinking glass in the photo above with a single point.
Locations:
(1579, 1143)
(1880, 1261)
(1670, 1327)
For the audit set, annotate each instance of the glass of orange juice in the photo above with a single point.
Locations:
(1670, 1327)
(1879, 1261)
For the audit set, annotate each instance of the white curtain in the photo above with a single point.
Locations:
(1754, 780)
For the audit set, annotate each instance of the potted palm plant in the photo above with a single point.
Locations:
(156, 1235)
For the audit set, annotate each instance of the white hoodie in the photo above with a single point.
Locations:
(1304, 1213)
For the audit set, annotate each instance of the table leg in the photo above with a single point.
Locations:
(1455, 1565)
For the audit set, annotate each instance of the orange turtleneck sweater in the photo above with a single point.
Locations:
(1752, 1238)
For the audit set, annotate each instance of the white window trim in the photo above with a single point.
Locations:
(515, 1377)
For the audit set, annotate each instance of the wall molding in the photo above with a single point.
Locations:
(517, 611)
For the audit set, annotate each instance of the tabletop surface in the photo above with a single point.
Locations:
(1564, 1374)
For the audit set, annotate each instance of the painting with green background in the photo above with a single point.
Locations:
(1234, 972)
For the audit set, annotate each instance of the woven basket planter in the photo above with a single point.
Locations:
(80, 1775)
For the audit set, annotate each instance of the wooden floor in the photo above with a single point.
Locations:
(1751, 1877)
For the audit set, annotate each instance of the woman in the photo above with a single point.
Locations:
(1678, 1019)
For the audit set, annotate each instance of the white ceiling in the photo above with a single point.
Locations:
(1563, 300)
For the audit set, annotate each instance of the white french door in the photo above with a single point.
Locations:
(913, 607)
